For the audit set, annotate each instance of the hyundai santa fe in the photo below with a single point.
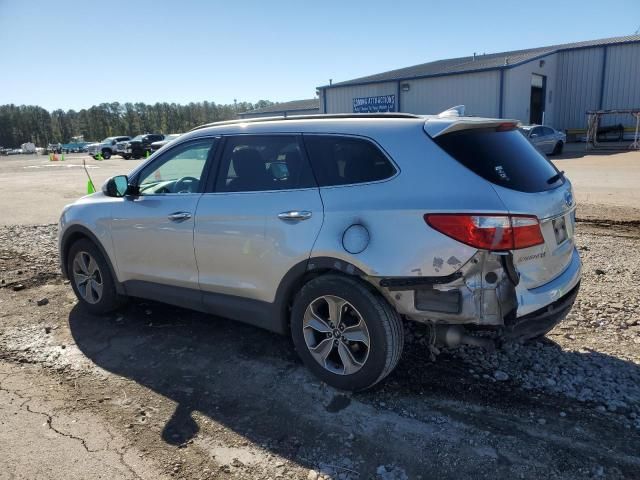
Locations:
(335, 230)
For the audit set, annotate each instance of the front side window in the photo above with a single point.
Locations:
(253, 163)
(338, 160)
(178, 171)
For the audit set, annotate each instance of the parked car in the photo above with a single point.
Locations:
(545, 139)
(54, 148)
(140, 146)
(74, 147)
(106, 147)
(121, 147)
(161, 143)
(455, 222)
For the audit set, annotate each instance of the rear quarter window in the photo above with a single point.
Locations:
(339, 160)
(504, 158)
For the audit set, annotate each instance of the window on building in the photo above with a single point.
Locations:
(338, 160)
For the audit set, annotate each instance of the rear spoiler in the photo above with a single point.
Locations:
(451, 120)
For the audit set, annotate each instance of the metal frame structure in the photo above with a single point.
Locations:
(593, 121)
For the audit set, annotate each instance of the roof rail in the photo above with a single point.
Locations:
(318, 116)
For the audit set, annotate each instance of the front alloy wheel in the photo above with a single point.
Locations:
(91, 277)
(336, 335)
(87, 277)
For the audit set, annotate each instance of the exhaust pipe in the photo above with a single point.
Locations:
(454, 335)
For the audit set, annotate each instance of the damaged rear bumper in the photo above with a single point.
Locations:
(538, 323)
(485, 293)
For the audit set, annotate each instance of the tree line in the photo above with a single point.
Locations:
(28, 123)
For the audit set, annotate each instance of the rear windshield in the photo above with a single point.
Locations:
(505, 158)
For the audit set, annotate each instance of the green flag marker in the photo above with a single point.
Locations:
(147, 155)
(62, 157)
(90, 187)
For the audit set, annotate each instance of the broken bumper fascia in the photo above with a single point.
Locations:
(487, 290)
(539, 322)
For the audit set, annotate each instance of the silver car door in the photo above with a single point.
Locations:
(261, 218)
(153, 231)
(536, 138)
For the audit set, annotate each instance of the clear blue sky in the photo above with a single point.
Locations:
(77, 53)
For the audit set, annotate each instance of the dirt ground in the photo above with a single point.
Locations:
(160, 392)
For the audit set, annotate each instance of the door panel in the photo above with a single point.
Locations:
(262, 219)
(151, 247)
(153, 232)
(243, 248)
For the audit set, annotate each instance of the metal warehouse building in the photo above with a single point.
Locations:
(294, 107)
(555, 84)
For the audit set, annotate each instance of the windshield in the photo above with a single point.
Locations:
(108, 140)
(137, 138)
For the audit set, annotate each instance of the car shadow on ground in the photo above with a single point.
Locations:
(252, 382)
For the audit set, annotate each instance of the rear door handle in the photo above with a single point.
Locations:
(179, 216)
(295, 215)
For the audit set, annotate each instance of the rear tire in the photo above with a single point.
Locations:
(126, 157)
(336, 317)
(91, 278)
(557, 150)
(106, 154)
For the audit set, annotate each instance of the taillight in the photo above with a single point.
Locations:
(489, 232)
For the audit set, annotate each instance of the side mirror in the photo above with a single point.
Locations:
(116, 186)
(534, 135)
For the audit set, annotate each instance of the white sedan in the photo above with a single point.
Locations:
(545, 139)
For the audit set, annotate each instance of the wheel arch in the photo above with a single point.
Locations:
(299, 275)
(78, 232)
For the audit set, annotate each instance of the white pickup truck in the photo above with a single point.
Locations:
(106, 147)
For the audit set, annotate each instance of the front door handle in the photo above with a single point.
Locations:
(179, 216)
(295, 215)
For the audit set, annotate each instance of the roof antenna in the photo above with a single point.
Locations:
(474, 56)
(330, 81)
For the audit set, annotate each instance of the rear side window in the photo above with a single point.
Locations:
(340, 160)
(254, 163)
(504, 158)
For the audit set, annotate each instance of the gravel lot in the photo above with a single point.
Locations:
(160, 392)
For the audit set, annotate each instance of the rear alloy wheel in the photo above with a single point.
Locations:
(336, 335)
(91, 278)
(106, 154)
(346, 334)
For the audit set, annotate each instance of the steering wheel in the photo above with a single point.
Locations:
(185, 184)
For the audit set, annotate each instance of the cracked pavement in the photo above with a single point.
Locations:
(46, 438)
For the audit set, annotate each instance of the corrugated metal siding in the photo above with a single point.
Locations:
(578, 86)
(622, 82)
(479, 92)
(340, 100)
(517, 89)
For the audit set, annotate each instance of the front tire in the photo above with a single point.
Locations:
(126, 157)
(91, 278)
(345, 333)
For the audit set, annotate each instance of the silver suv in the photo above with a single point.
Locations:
(335, 230)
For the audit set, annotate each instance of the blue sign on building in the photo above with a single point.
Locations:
(382, 103)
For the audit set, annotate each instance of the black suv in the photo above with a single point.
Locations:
(140, 146)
